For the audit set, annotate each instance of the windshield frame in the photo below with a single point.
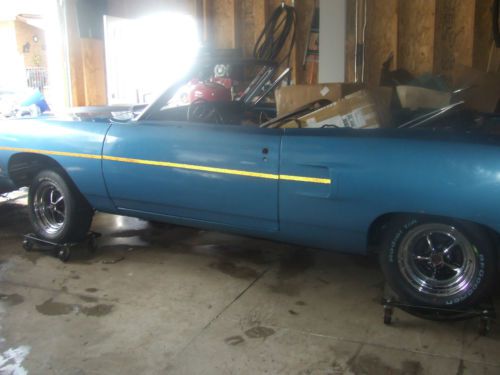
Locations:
(157, 104)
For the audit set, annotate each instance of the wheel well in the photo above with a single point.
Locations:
(381, 224)
(23, 167)
(377, 230)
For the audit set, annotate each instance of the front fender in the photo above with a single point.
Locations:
(75, 146)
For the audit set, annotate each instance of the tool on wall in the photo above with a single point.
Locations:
(496, 22)
(311, 52)
(278, 33)
(359, 49)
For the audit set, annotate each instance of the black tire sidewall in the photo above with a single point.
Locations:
(484, 275)
(75, 208)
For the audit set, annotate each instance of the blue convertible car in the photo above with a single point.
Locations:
(427, 201)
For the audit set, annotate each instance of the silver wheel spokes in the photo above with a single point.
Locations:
(437, 259)
(49, 208)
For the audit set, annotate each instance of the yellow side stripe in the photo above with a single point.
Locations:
(305, 179)
(47, 152)
(193, 167)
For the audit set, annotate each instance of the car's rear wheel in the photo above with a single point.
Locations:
(438, 262)
(58, 211)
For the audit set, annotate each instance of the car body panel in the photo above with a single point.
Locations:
(314, 187)
(76, 146)
(195, 171)
(377, 172)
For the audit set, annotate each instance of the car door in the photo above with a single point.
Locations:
(223, 174)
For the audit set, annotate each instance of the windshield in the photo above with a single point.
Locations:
(223, 80)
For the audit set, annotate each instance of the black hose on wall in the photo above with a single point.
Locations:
(275, 34)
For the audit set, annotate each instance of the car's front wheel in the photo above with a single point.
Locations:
(58, 212)
(438, 262)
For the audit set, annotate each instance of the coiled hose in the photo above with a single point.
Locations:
(275, 34)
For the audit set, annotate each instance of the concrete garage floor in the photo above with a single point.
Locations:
(186, 301)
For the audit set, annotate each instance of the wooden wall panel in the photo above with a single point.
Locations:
(75, 56)
(223, 27)
(424, 35)
(350, 41)
(246, 25)
(94, 71)
(454, 35)
(305, 13)
(416, 25)
(483, 36)
(260, 14)
(381, 37)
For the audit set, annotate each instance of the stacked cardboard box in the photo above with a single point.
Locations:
(365, 109)
(289, 98)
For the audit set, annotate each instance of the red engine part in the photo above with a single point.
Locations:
(210, 91)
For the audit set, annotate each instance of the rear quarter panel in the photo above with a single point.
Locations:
(378, 172)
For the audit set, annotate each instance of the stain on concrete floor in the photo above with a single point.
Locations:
(234, 340)
(53, 308)
(369, 364)
(295, 263)
(97, 310)
(240, 272)
(171, 308)
(11, 299)
(85, 298)
(259, 332)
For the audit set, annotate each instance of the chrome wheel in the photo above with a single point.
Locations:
(438, 260)
(49, 208)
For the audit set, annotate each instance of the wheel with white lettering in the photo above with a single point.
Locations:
(58, 212)
(438, 262)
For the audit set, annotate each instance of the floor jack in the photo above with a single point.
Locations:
(62, 251)
(485, 311)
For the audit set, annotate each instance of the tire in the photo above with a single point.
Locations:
(160, 225)
(438, 262)
(57, 210)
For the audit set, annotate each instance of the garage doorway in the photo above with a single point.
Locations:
(34, 53)
(146, 55)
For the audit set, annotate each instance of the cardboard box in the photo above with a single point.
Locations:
(413, 97)
(482, 90)
(358, 111)
(289, 98)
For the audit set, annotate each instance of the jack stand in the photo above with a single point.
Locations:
(485, 311)
(62, 251)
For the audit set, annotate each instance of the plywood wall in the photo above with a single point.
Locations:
(416, 32)
(381, 38)
(483, 52)
(424, 36)
(238, 24)
(94, 71)
(75, 56)
(454, 38)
